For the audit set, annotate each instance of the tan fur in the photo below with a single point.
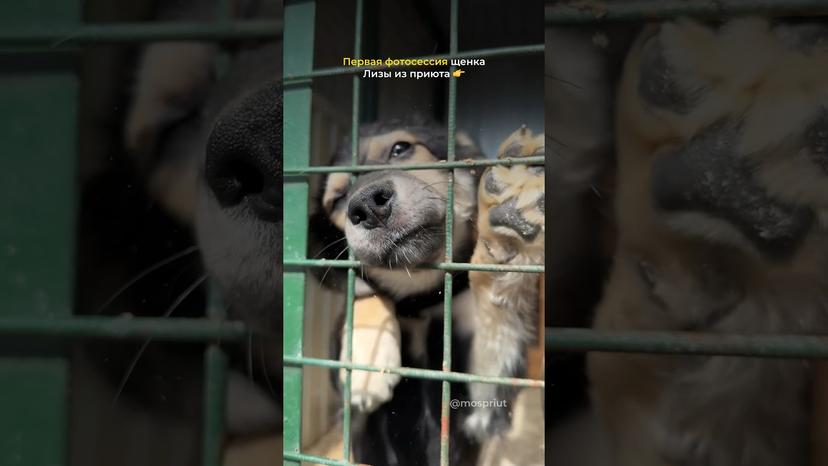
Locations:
(376, 339)
(172, 80)
(682, 411)
(507, 302)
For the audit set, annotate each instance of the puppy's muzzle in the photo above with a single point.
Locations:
(371, 206)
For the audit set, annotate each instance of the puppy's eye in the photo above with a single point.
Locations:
(399, 148)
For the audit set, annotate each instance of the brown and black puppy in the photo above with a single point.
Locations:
(394, 222)
(721, 210)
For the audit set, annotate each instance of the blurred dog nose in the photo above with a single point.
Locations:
(243, 164)
(371, 206)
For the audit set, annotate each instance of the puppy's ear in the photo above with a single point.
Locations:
(171, 84)
(437, 142)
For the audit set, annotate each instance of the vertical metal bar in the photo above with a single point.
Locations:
(215, 390)
(369, 90)
(349, 304)
(38, 206)
(447, 285)
(298, 38)
(215, 360)
(224, 16)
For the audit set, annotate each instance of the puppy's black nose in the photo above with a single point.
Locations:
(371, 206)
(243, 166)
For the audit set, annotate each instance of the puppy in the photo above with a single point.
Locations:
(394, 222)
(721, 207)
(208, 145)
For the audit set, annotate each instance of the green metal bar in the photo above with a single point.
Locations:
(299, 31)
(450, 267)
(482, 53)
(590, 12)
(445, 411)
(215, 388)
(301, 457)
(467, 163)
(123, 328)
(65, 36)
(38, 208)
(412, 372)
(688, 343)
(215, 391)
(215, 360)
(349, 300)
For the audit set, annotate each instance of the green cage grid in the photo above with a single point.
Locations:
(55, 26)
(214, 330)
(298, 77)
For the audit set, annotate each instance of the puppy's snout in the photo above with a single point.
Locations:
(243, 160)
(371, 206)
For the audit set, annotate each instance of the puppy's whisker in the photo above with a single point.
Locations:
(264, 369)
(329, 246)
(144, 273)
(563, 81)
(557, 141)
(428, 187)
(180, 299)
(250, 355)
(322, 281)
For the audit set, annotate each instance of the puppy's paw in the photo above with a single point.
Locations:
(511, 202)
(510, 230)
(376, 342)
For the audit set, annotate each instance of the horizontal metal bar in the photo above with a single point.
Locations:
(482, 53)
(414, 372)
(124, 328)
(60, 37)
(467, 163)
(709, 344)
(650, 10)
(289, 456)
(451, 267)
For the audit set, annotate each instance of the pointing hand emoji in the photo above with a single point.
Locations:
(457, 73)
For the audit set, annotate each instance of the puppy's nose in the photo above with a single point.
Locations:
(243, 165)
(371, 206)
